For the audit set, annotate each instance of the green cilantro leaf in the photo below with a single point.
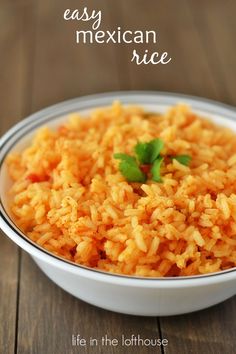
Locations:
(130, 169)
(148, 152)
(183, 159)
(156, 169)
(131, 172)
(143, 152)
(157, 145)
(124, 157)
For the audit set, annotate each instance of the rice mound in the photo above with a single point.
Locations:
(69, 197)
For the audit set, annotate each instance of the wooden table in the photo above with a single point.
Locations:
(40, 65)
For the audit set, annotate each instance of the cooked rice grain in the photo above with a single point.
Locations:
(69, 197)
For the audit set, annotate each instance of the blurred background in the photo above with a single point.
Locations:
(41, 64)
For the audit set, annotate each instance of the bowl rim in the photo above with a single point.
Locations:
(90, 102)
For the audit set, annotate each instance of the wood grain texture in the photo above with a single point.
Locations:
(9, 257)
(210, 331)
(15, 61)
(40, 65)
(71, 69)
(48, 318)
(190, 70)
(216, 27)
(13, 80)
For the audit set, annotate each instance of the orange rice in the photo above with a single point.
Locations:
(69, 197)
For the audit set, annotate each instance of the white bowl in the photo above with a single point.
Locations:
(125, 294)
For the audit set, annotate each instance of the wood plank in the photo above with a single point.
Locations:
(189, 71)
(210, 331)
(215, 23)
(9, 258)
(11, 59)
(14, 64)
(49, 317)
(64, 69)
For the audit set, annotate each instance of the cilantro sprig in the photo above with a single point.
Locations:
(130, 169)
(146, 153)
(156, 169)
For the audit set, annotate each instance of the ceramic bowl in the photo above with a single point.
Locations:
(125, 294)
